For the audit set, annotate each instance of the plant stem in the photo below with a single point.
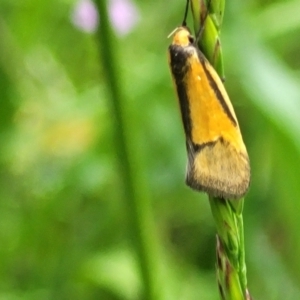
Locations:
(136, 199)
(231, 266)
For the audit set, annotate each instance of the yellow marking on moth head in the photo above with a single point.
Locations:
(182, 37)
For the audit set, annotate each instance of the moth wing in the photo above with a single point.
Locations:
(218, 169)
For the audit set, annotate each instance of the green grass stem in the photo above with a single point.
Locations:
(136, 199)
(231, 266)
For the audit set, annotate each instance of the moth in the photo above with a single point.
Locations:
(218, 163)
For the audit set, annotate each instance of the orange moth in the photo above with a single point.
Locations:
(218, 162)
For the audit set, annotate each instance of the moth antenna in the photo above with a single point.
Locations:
(172, 32)
(185, 13)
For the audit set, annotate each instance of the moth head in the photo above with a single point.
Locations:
(182, 36)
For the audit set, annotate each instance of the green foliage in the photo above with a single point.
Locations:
(64, 223)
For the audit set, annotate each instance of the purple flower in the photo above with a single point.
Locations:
(85, 16)
(123, 14)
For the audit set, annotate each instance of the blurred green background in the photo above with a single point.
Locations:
(64, 223)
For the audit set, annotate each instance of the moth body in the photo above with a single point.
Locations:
(218, 162)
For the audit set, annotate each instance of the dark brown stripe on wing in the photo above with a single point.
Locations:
(179, 67)
(199, 147)
(216, 89)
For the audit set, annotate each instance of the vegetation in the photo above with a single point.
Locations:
(66, 228)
